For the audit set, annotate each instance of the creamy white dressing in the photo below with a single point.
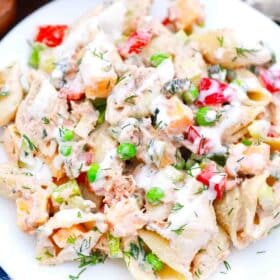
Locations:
(109, 167)
(80, 35)
(45, 97)
(155, 151)
(111, 20)
(168, 179)
(68, 217)
(160, 104)
(96, 64)
(166, 71)
(211, 116)
(192, 226)
(214, 180)
(231, 115)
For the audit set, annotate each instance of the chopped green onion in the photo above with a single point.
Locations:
(154, 261)
(100, 105)
(179, 230)
(158, 58)
(101, 116)
(180, 164)
(220, 159)
(99, 102)
(92, 172)
(31, 146)
(154, 195)
(126, 151)
(177, 206)
(206, 116)
(191, 95)
(45, 120)
(66, 150)
(34, 59)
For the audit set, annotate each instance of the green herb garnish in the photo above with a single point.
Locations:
(31, 146)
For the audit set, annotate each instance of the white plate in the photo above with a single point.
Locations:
(17, 249)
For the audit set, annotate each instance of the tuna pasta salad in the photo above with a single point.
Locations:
(155, 142)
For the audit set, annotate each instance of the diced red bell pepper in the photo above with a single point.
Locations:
(51, 35)
(136, 42)
(272, 132)
(71, 95)
(213, 92)
(206, 174)
(191, 134)
(201, 144)
(220, 188)
(166, 21)
(271, 79)
(206, 177)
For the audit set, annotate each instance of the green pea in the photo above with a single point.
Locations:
(158, 58)
(246, 142)
(126, 151)
(154, 261)
(154, 195)
(68, 135)
(66, 150)
(206, 116)
(191, 95)
(92, 172)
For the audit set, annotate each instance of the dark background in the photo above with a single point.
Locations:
(23, 9)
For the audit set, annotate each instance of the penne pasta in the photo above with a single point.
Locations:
(11, 93)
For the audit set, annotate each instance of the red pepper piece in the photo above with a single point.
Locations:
(71, 95)
(51, 35)
(270, 79)
(194, 137)
(203, 147)
(220, 188)
(192, 134)
(166, 21)
(136, 42)
(206, 174)
(213, 92)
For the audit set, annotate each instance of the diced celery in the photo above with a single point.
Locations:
(65, 191)
(34, 58)
(80, 203)
(47, 64)
(114, 245)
